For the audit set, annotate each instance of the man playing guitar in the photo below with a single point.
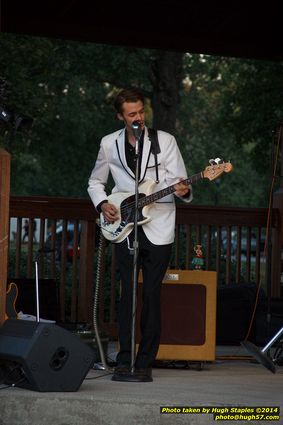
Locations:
(156, 235)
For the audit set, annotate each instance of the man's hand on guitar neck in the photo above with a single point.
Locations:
(110, 212)
(181, 189)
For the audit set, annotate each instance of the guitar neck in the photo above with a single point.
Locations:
(167, 191)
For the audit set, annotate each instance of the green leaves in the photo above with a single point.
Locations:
(219, 106)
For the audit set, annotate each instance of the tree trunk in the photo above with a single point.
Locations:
(167, 74)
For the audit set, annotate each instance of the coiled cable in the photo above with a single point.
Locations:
(95, 301)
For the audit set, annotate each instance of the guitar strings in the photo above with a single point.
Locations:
(192, 179)
(189, 180)
(130, 205)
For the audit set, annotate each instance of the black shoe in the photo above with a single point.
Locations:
(121, 372)
(144, 374)
(122, 368)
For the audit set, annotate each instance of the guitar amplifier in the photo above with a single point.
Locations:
(188, 315)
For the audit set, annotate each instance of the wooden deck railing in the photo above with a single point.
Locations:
(233, 241)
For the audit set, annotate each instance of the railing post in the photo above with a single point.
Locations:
(87, 249)
(4, 227)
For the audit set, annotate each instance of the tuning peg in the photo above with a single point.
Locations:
(218, 160)
(212, 162)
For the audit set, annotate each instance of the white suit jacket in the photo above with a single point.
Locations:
(112, 158)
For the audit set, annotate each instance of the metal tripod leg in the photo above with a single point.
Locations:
(261, 355)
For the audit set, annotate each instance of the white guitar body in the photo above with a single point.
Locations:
(125, 204)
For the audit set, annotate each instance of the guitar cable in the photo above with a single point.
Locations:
(104, 365)
(11, 372)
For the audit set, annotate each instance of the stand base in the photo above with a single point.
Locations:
(131, 377)
(259, 355)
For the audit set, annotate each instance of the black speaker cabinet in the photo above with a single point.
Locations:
(188, 315)
(43, 357)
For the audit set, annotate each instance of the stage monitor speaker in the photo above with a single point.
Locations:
(42, 356)
(188, 315)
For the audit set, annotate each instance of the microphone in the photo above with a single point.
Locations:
(137, 130)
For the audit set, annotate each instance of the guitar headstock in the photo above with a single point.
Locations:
(216, 169)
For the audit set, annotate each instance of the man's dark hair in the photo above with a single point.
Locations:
(127, 95)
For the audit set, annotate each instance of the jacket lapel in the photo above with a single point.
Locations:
(120, 144)
(145, 154)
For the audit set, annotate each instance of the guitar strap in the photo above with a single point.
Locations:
(155, 148)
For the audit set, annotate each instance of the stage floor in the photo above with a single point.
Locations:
(232, 380)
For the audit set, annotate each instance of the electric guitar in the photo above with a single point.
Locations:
(11, 298)
(125, 202)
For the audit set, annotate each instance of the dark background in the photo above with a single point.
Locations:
(235, 28)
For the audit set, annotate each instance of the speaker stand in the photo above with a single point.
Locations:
(261, 355)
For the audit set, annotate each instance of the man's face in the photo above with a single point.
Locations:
(132, 111)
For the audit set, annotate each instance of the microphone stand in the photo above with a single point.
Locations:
(132, 376)
(135, 254)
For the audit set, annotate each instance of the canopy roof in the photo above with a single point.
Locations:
(234, 28)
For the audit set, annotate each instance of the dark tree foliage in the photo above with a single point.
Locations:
(216, 107)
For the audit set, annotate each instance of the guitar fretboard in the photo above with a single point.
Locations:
(167, 191)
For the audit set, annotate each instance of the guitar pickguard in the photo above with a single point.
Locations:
(120, 229)
(127, 209)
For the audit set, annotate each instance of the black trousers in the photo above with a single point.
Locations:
(153, 260)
